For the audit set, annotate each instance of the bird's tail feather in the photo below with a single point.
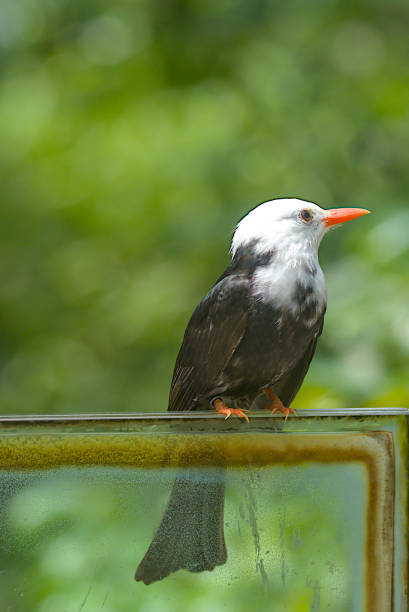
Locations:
(190, 535)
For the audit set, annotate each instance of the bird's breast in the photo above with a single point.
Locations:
(274, 342)
(296, 290)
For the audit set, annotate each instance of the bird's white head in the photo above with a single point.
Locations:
(288, 225)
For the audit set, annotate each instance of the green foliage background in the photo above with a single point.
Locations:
(135, 135)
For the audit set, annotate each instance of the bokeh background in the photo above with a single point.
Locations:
(135, 134)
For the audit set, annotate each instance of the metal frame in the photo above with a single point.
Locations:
(194, 415)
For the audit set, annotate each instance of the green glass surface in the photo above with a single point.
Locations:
(296, 526)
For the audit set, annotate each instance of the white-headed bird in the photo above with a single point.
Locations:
(255, 331)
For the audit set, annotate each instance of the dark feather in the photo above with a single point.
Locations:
(234, 346)
(290, 384)
(190, 535)
(212, 335)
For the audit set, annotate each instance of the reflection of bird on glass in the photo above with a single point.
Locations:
(255, 331)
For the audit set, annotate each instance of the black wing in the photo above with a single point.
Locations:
(211, 338)
(289, 385)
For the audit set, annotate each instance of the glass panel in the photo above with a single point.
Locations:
(314, 514)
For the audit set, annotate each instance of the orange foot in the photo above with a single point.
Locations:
(277, 405)
(221, 408)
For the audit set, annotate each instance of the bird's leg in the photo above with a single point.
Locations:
(277, 405)
(221, 408)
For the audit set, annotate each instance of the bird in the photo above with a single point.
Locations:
(255, 332)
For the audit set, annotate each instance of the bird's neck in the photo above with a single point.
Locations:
(290, 278)
(285, 253)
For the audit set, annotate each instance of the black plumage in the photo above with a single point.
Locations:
(256, 329)
(235, 344)
(190, 535)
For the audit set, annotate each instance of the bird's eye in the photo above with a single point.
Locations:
(306, 215)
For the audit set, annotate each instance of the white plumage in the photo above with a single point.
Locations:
(277, 227)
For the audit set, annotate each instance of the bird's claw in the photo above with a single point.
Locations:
(221, 408)
(238, 412)
(277, 405)
(284, 410)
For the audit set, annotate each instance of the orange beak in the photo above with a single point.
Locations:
(340, 215)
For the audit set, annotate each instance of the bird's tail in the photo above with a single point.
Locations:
(190, 535)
